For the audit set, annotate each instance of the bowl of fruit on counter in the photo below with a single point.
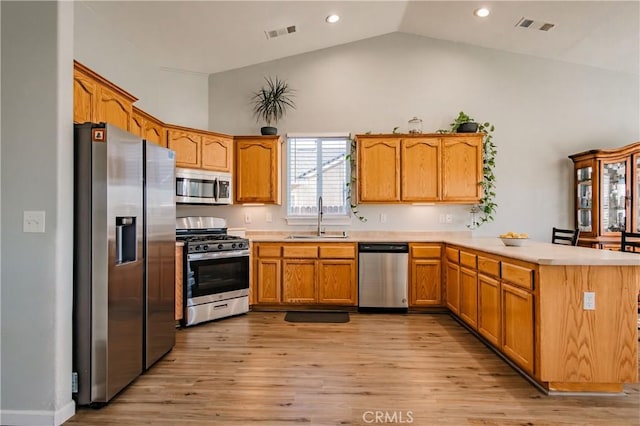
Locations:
(514, 239)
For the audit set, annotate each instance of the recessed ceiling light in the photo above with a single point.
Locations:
(483, 12)
(332, 19)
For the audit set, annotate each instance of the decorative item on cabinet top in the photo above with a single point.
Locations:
(271, 102)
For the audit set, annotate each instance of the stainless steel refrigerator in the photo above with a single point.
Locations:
(121, 324)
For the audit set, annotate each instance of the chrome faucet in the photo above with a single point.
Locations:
(320, 232)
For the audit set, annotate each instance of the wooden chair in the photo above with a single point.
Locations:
(630, 241)
(568, 237)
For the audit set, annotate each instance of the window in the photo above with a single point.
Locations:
(318, 166)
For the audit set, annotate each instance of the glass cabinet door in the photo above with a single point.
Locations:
(584, 202)
(613, 208)
(636, 195)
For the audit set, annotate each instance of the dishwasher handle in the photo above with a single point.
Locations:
(383, 247)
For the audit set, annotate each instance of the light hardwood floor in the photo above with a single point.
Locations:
(421, 369)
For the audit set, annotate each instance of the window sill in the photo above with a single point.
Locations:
(313, 220)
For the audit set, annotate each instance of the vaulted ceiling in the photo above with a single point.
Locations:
(214, 36)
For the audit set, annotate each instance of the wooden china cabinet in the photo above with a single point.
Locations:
(606, 195)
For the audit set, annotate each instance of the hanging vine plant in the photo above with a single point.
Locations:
(485, 209)
(353, 180)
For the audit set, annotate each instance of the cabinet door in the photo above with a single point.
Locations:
(469, 296)
(420, 169)
(268, 279)
(614, 178)
(217, 153)
(178, 286)
(155, 132)
(425, 289)
(299, 280)
(257, 171)
(337, 283)
(379, 170)
(187, 147)
(136, 127)
(462, 168)
(489, 309)
(453, 287)
(114, 109)
(517, 326)
(85, 98)
(586, 175)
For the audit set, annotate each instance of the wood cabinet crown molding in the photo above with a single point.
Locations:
(103, 81)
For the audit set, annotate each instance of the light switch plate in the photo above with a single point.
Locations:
(33, 221)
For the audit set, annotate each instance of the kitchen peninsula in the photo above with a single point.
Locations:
(565, 317)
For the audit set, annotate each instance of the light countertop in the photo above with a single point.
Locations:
(542, 253)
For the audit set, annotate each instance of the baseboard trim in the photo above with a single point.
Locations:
(38, 418)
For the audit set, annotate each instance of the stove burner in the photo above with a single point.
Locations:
(204, 243)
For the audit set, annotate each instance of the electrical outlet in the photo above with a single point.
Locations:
(589, 301)
(268, 217)
(247, 218)
(33, 221)
(442, 219)
(383, 217)
(449, 218)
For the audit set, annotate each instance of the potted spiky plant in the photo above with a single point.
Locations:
(271, 103)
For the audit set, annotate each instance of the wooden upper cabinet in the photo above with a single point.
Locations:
(85, 93)
(136, 126)
(378, 170)
(257, 169)
(462, 168)
(420, 168)
(187, 147)
(96, 99)
(217, 153)
(420, 175)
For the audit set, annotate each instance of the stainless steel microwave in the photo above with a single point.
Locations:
(203, 187)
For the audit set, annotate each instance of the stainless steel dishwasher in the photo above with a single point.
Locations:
(383, 275)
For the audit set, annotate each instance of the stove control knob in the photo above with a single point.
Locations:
(240, 245)
(233, 245)
(220, 246)
(198, 247)
(205, 247)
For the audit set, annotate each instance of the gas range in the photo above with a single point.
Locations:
(207, 235)
(206, 243)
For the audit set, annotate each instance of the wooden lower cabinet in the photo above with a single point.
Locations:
(179, 283)
(469, 296)
(517, 326)
(425, 275)
(337, 282)
(306, 274)
(489, 309)
(453, 287)
(299, 280)
(268, 274)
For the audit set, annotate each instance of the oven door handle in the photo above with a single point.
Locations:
(218, 255)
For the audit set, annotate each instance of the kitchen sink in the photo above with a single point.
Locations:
(307, 237)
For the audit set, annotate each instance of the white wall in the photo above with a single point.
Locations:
(543, 111)
(172, 96)
(36, 166)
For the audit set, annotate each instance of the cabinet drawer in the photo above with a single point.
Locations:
(425, 251)
(489, 266)
(517, 275)
(453, 254)
(468, 259)
(300, 251)
(268, 251)
(338, 252)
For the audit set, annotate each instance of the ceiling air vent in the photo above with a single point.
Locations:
(534, 25)
(280, 32)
